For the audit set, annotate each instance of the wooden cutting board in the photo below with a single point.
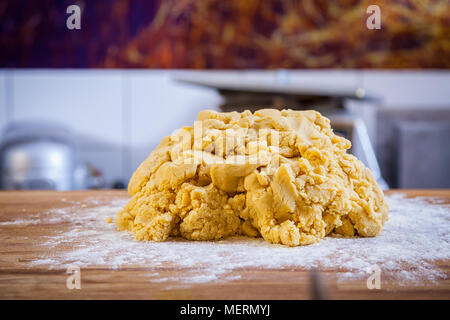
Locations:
(20, 281)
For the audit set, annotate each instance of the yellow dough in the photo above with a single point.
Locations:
(283, 175)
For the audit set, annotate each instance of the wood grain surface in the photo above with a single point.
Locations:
(20, 281)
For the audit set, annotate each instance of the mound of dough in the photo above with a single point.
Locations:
(283, 175)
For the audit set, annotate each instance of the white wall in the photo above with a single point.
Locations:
(119, 116)
(3, 103)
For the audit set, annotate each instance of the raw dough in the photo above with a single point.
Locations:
(283, 175)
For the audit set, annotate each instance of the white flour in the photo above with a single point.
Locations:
(416, 234)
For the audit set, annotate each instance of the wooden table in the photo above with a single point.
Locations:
(19, 281)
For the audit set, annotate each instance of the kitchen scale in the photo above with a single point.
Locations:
(245, 95)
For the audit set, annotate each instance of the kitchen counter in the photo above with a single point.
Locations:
(19, 279)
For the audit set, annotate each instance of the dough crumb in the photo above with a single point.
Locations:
(108, 220)
(281, 175)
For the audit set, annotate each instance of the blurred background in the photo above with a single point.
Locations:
(83, 108)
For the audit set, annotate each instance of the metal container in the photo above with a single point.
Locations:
(38, 155)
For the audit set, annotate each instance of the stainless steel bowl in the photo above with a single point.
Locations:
(37, 155)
